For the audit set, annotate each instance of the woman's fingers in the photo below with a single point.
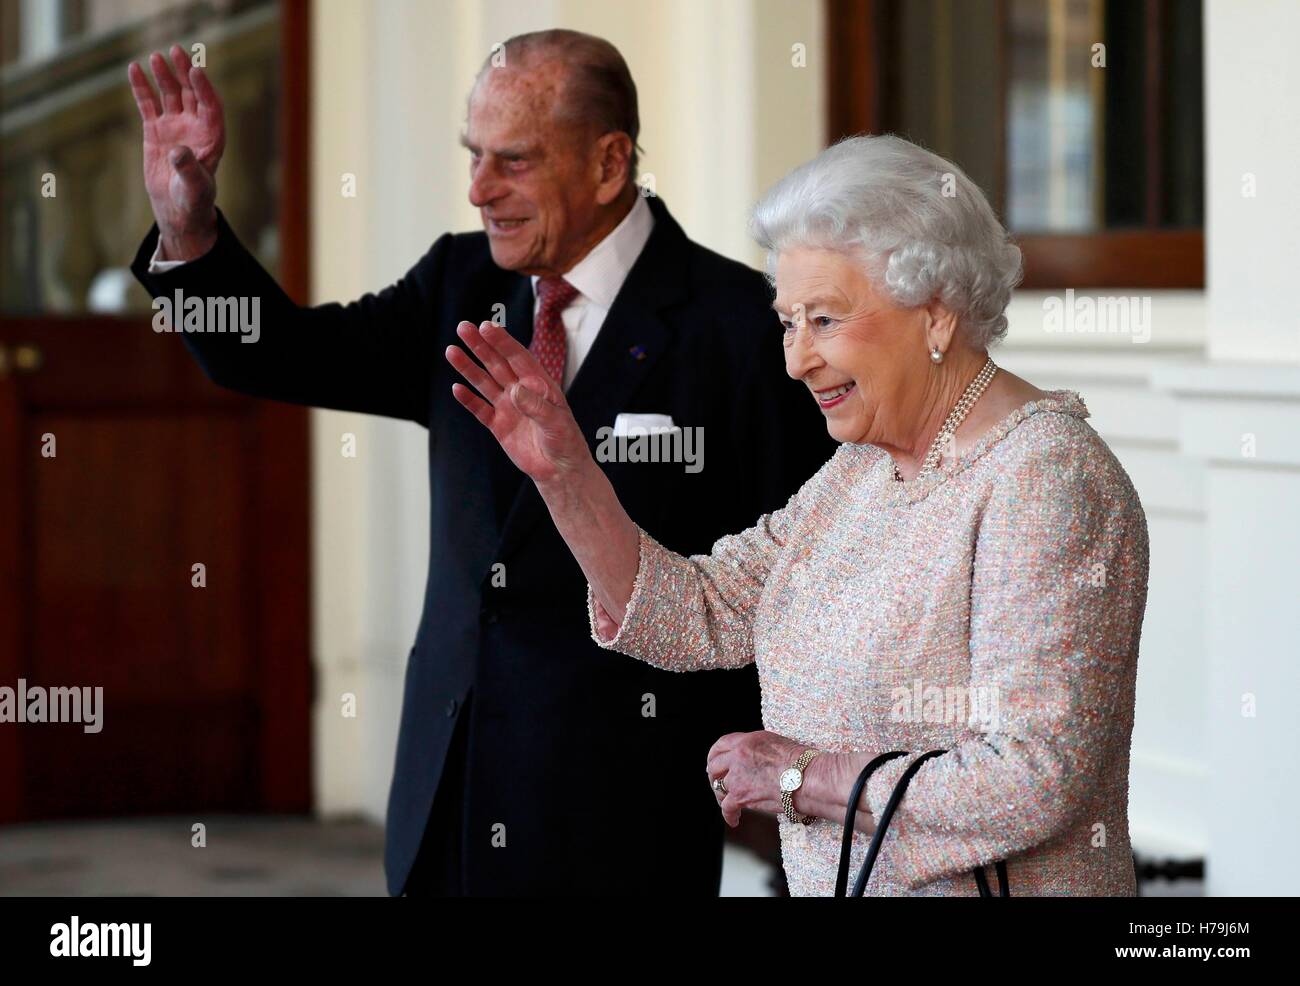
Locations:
(719, 794)
(725, 743)
(487, 354)
(475, 374)
(721, 756)
(731, 808)
(475, 404)
(717, 768)
(717, 762)
(530, 403)
(531, 398)
(521, 361)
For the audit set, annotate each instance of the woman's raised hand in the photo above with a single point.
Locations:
(518, 402)
(527, 414)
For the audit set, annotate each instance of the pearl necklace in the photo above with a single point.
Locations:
(955, 417)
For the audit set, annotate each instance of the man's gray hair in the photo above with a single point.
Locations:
(923, 229)
(599, 91)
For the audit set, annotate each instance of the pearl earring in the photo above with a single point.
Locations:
(935, 355)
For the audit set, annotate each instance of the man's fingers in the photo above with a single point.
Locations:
(475, 404)
(474, 373)
(487, 355)
(204, 90)
(191, 186)
(181, 60)
(167, 84)
(185, 164)
(146, 100)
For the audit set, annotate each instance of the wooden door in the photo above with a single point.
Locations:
(122, 470)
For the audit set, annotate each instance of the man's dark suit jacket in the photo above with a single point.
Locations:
(562, 761)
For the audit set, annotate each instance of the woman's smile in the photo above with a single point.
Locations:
(834, 395)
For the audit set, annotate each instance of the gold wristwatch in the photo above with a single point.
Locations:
(791, 781)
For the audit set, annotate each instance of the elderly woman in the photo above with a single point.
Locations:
(968, 572)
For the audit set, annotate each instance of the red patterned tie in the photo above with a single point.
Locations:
(549, 345)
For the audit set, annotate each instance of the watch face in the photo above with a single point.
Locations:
(791, 779)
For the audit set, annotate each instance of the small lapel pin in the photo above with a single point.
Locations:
(638, 352)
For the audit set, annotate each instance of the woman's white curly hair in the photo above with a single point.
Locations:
(923, 228)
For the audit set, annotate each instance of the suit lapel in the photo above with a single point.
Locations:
(628, 345)
(519, 311)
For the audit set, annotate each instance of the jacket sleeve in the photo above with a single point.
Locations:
(1057, 599)
(697, 613)
(373, 355)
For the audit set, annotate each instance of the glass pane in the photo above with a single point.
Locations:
(1074, 116)
(1054, 98)
(942, 88)
(74, 205)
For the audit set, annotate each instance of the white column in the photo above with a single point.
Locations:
(1239, 416)
(1252, 80)
(1243, 424)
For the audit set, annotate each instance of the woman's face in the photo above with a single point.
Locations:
(859, 354)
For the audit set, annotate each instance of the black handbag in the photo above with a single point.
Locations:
(882, 825)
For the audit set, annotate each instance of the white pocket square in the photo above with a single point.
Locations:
(629, 425)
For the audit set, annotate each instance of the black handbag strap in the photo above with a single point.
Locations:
(981, 881)
(846, 844)
(882, 826)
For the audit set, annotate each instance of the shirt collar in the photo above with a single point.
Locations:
(600, 274)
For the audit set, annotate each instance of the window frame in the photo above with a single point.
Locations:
(858, 87)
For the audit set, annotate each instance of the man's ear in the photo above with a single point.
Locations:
(613, 159)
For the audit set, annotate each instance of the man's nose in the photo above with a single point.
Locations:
(483, 188)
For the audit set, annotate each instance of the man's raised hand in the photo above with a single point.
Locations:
(184, 137)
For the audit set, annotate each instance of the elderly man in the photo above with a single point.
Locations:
(528, 762)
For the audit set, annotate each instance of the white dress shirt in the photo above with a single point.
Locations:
(598, 277)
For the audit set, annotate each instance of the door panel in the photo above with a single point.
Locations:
(206, 689)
